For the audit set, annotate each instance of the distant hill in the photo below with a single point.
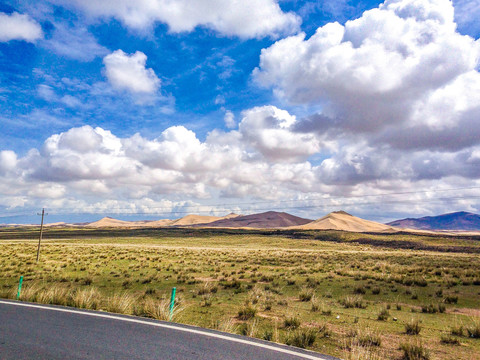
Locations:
(341, 220)
(454, 221)
(266, 220)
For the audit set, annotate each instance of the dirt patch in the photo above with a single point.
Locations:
(466, 311)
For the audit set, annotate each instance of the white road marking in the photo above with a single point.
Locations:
(168, 326)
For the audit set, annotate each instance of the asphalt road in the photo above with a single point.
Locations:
(32, 331)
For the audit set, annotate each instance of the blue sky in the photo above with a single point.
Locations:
(144, 110)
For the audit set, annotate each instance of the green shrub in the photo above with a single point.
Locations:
(449, 340)
(413, 327)
(451, 299)
(473, 330)
(291, 322)
(420, 282)
(414, 351)
(301, 338)
(246, 312)
(433, 309)
(360, 289)
(457, 330)
(305, 295)
(369, 338)
(383, 315)
(354, 301)
(376, 291)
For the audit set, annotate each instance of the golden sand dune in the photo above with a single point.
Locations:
(157, 223)
(56, 224)
(110, 222)
(199, 219)
(340, 220)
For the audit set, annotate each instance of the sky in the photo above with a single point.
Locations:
(160, 108)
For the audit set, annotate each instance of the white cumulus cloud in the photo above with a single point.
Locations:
(246, 19)
(399, 71)
(229, 119)
(87, 167)
(128, 72)
(8, 161)
(19, 27)
(270, 131)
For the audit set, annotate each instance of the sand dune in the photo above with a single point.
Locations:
(110, 222)
(56, 224)
(194, 219)
(158, 223)
(340, 220)
(266, 220)
(199, 219)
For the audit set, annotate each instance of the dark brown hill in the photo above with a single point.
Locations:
(266, 220)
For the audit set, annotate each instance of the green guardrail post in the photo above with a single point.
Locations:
(172, 302)
(19, 287)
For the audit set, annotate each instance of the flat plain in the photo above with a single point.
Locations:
(351, 295)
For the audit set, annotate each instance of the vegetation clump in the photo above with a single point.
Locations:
(302, 338)
(246, 312)
(353, 301)
(413, 327)
(473, 330)
(383, 315)
(291, 322)
(414, 351)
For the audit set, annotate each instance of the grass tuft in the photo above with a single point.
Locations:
(413, 327)
(353, 301)
(291, 322)
(302, 338)
(414, 351)
(121, 303)
(246, 312)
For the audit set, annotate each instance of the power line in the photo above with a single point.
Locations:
(339, 205)
(298, 200)
(225, 208)
(306, 206)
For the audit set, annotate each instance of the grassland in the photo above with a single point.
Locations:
(355, 296)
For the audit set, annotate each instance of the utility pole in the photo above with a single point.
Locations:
(41, 233)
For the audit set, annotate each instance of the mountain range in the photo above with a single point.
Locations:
(462, 220)
(337, 220)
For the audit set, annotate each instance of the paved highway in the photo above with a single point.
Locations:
(31, 331)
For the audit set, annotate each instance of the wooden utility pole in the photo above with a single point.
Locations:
(41, 233)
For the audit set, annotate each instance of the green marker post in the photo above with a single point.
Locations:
(19, 287)
(172, 302)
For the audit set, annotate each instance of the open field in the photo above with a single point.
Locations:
(356, 296)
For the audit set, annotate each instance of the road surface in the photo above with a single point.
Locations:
(33, 331)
